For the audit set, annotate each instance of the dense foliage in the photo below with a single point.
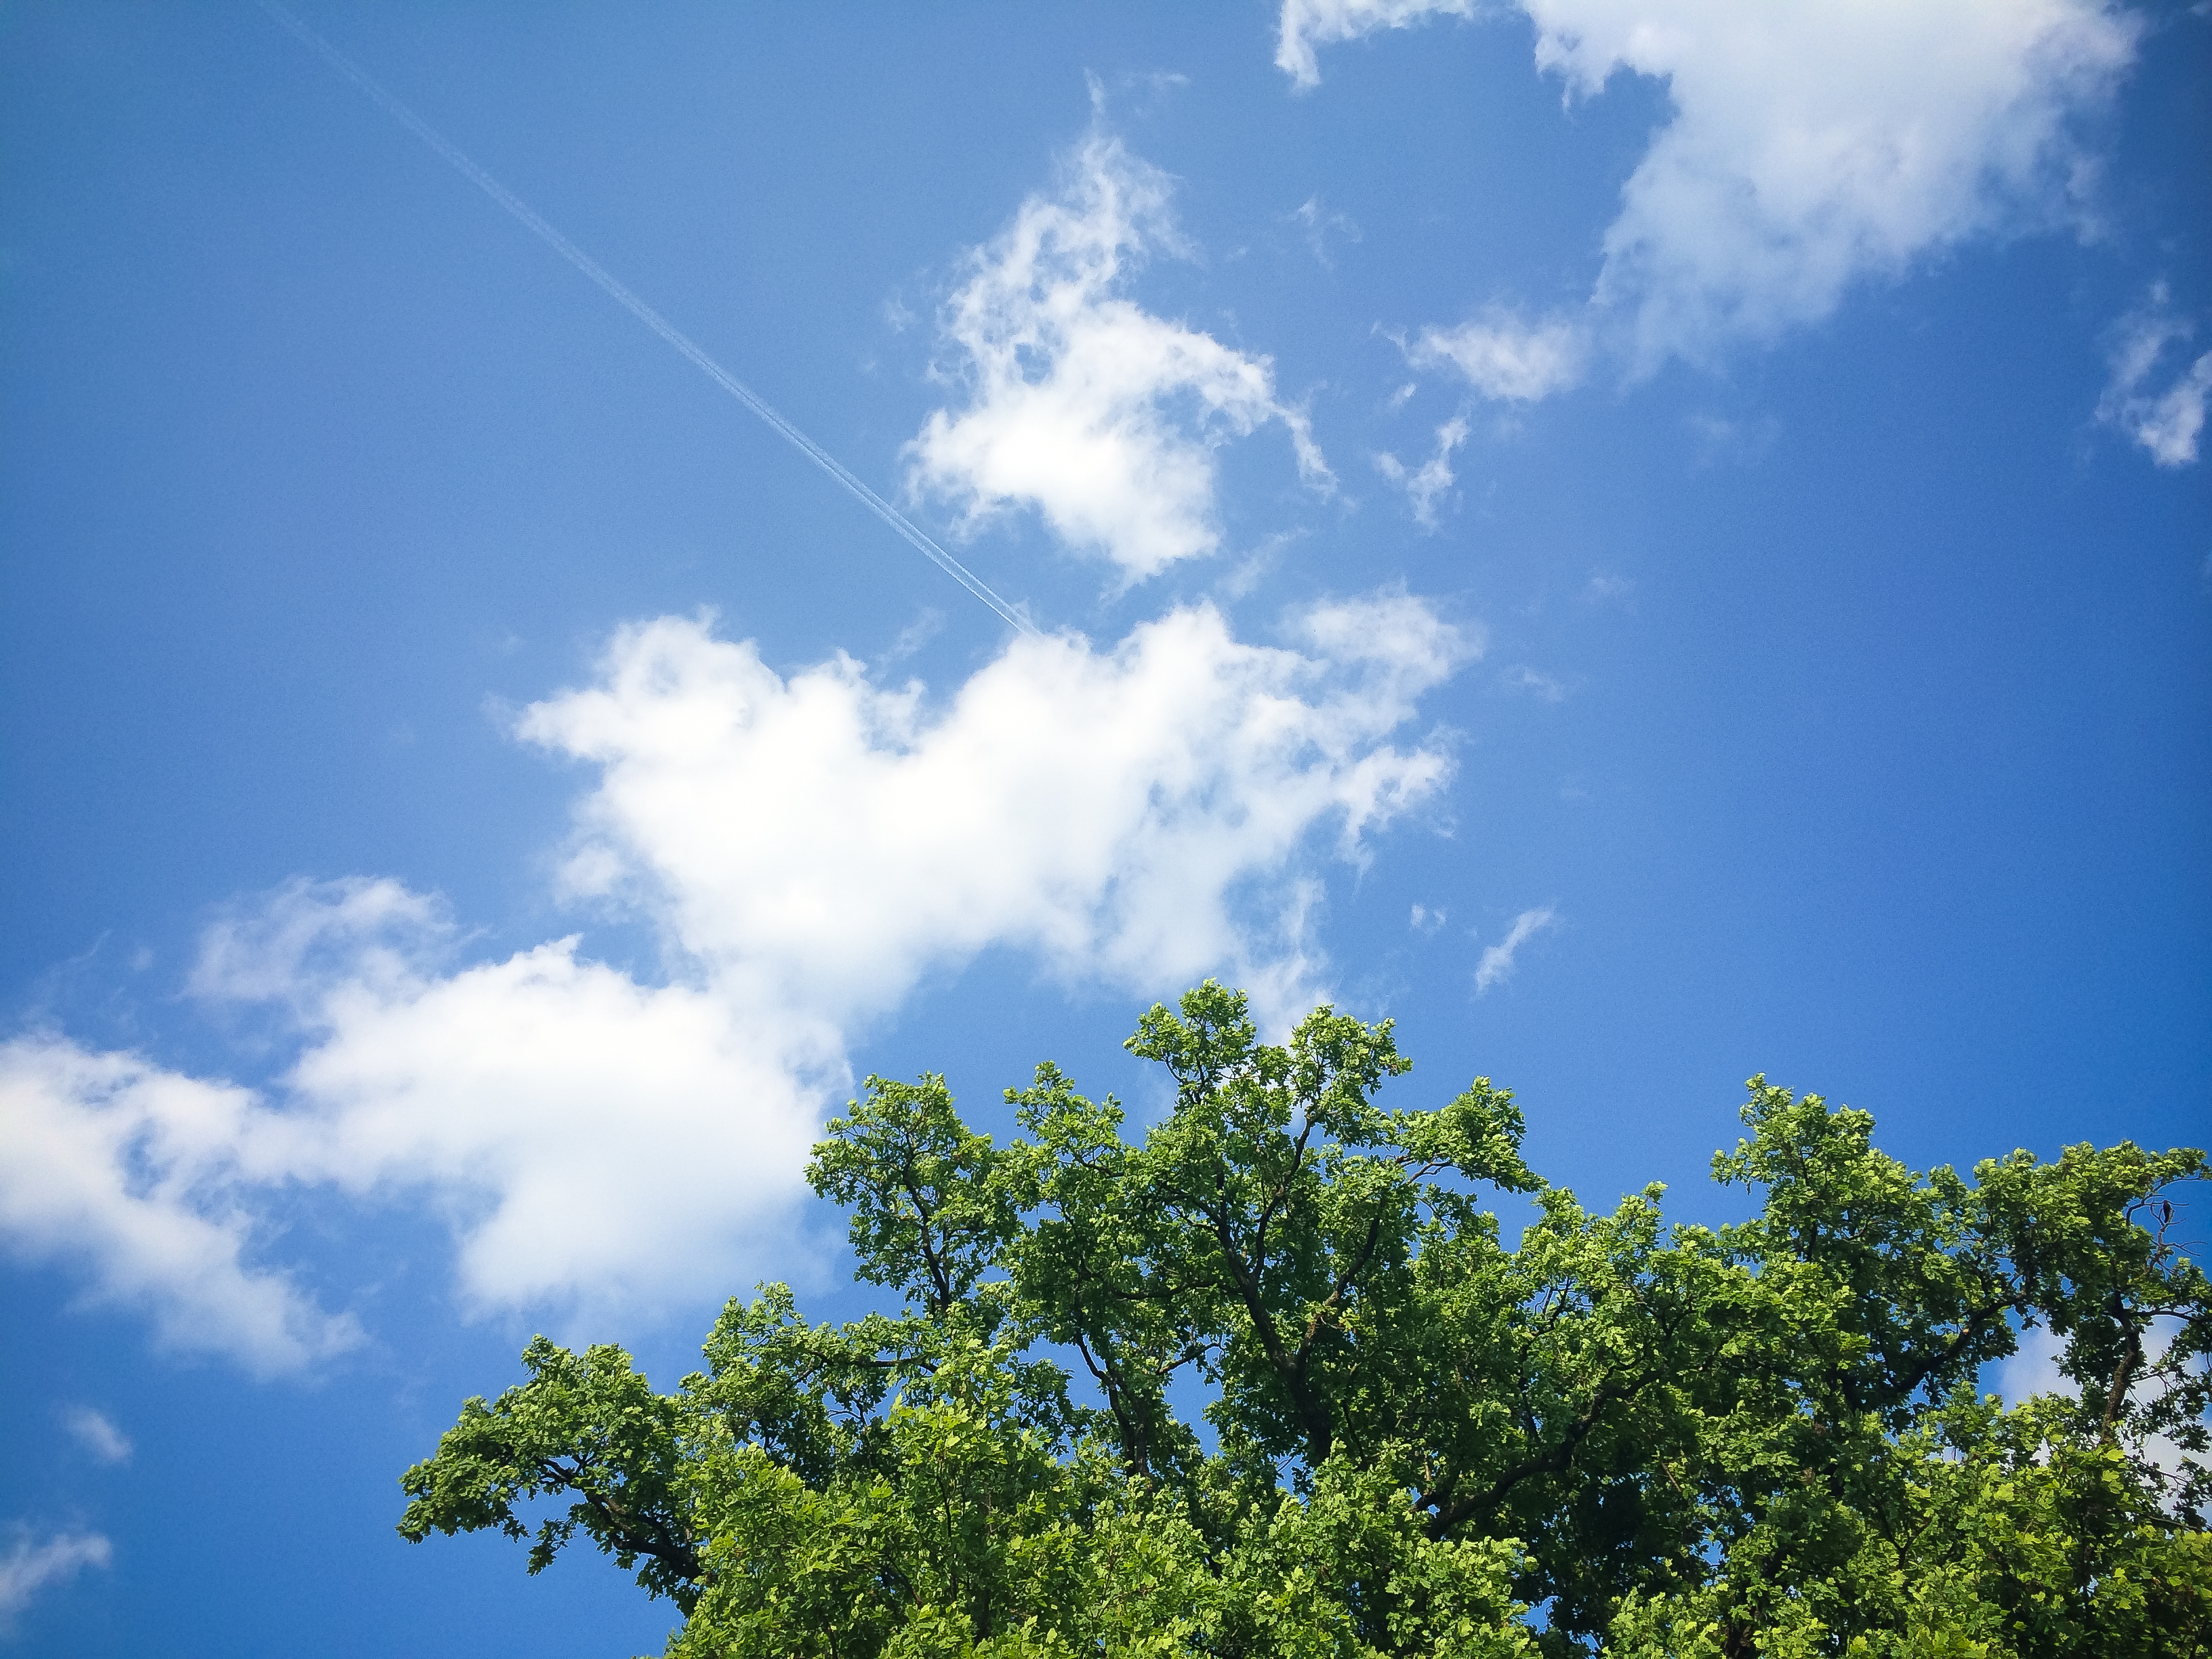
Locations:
(1615, 1436)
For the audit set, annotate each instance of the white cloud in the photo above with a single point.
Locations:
(1720, 440)
(2166, 423)
(133, 1175)
(1319, 224)
(29, 1568)
(1546, 688)
(97, 1433)
(822, 842)
(1497, 964)
(1081, 403)
(928, 624)
(1604, 586)
(1507, 359)
(1309, 23)
(2032, 1367)
(1812, 146)
(811, 848)
(588, 1137)
(1816, 144)
(1425, 483)
(296, 945)
(593, 1138)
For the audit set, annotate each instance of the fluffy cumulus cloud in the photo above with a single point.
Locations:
(1081, 403)
(136, 1178)
(820, 842)
(1811, 145)
(810, 848)
(591, 1136)
(2166, 420)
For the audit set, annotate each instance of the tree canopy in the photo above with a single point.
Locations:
(1267, 1380)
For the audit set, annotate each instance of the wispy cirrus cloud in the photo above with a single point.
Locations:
(2167, 422)
(810, 848)
(29, 1567)
(1319, 224)
(1545, 688)
(1081, 403)
(96, 1432)
(1497, 964)
(1306, 24)
(1604, 587)
(1426, 484)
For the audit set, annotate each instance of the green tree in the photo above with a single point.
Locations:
(1615, 1436)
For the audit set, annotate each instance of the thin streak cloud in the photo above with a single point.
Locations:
(29, 1568)
(97, 1433)
(1497, 964)
(622, 296)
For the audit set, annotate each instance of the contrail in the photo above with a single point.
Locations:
(645, 313)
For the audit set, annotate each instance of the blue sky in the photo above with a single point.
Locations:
(1647, 542)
